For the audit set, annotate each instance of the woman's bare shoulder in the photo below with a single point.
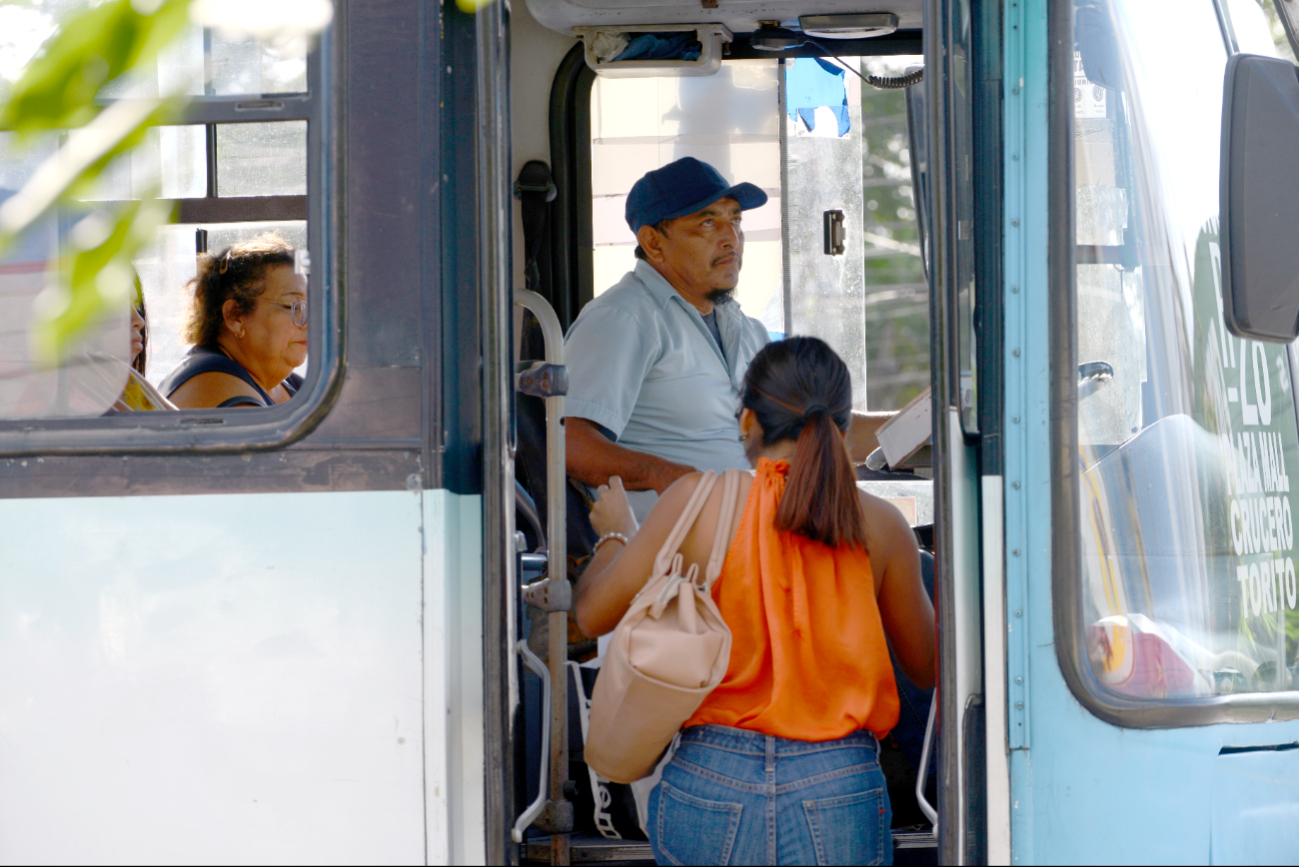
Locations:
(880, 509)
(680, 491)
(885, 523)
(699, 540)
(210, 390)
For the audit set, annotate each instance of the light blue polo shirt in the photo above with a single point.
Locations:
(642, 363)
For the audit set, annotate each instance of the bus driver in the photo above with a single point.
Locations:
(656, 363)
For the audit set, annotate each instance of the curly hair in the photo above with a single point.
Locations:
(237, 273)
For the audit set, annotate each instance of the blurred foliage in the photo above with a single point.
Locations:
(897, 298)
(90, 49)
(99, 275)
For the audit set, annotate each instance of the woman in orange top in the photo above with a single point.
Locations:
(779, 765)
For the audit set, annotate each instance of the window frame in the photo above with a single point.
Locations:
(1066, 529)
(225, 430)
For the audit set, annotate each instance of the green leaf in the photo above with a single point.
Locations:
(72, 169)
(97, 277)
(57, 91)
(91, 48)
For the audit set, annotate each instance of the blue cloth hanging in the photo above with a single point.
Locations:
(662, 46)
(810, 83)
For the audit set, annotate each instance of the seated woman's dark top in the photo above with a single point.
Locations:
(201, 360)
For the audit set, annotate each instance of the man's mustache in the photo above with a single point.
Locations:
(739, 260)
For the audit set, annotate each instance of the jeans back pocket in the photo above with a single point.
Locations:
(850, 829)
(692, 830)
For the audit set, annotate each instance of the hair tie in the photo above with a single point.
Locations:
(814, 408)
(223, 265)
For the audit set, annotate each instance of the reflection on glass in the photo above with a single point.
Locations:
(1276, 29)
(262, 159)
(171, 163)
(96, 368)
(1187, 434)
(177, 70)
(246, 65)
(198, 62)
(960, 107)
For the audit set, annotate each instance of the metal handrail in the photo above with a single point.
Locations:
(553, 595)
(528, 816)
(923, 773)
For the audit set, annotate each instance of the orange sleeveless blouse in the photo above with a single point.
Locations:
(809, 660)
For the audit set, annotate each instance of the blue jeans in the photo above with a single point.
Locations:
(732, 796)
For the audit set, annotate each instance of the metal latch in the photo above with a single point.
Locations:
(543, 379)
(552, 594)
(835, 233)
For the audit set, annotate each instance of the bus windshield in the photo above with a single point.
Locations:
(1187, 433)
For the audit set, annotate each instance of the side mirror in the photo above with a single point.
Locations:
(1259, 202)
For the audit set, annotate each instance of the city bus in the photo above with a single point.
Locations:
(308, 631)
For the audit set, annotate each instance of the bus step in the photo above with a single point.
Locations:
(909, 847)
(591, 850)
(914, 849)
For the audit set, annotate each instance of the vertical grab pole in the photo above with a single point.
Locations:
(554, 594)
(492, 207)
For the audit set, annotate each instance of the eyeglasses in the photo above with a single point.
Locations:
(298, 310)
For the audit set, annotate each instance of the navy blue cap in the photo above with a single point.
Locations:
(681, 188)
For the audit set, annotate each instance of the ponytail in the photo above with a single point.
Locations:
(821, 500)
(800, 390)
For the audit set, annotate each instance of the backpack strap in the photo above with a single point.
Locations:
(726, 521)
(663, 562)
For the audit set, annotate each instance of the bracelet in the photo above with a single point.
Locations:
(609, 537)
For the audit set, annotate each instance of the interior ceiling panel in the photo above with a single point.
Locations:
(741, 16)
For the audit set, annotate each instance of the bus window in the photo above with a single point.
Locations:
(1187, 435)
(845, 150)
(235, 168)
(897, 293)
(210, 62)
(1276, 29)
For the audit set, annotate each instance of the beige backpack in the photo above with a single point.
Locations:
(668, 652)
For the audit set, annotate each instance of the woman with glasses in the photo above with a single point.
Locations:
(248, 324)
